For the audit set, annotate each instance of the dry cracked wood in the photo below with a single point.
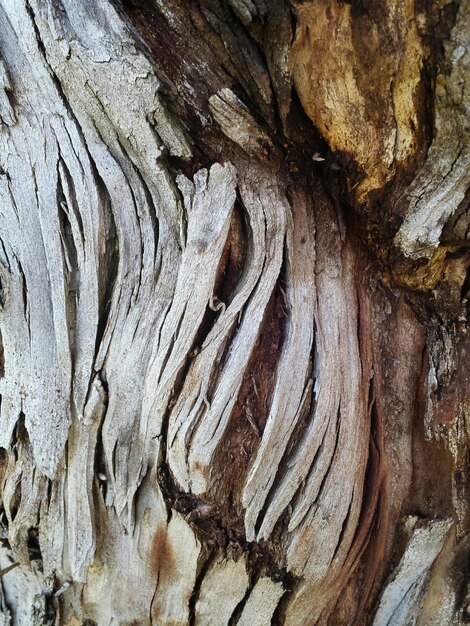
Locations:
(212, 398)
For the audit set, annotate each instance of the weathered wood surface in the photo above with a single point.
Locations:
(234, 312)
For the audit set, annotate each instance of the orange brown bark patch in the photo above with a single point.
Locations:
(357, 70)
(161, 556)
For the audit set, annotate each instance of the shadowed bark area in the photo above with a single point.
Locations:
(234, 252)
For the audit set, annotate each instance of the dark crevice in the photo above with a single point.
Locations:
(290, 583)
(234, 256)
(4, 257)
(2, 357)
(24, 293)
(19, 440)
(100, 486)
(152, 211)
(373, 474)
(465, 290)
(108, 269)
(49, 492)
(152, 601)
(238, 610)
(70, 265)
(3, 287)
(19, 435)
(203, 569)
(73, 205)
(113, 460)
(4, 529)
(3, 518)
(34, 548)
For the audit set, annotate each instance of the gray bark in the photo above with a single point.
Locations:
(232, 390)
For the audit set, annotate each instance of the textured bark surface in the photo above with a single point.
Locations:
(234, 252)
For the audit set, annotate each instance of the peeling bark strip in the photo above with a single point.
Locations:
(234, 313)
(400, 601)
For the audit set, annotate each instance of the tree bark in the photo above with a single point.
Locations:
(234, 299)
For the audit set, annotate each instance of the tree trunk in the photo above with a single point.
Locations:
(234, 251)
